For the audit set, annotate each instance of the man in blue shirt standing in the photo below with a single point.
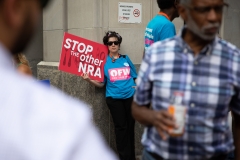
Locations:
(161, 26)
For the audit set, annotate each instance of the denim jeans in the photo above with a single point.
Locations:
(230, 156)
(147, 156)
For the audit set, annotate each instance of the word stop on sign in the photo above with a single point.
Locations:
(81, 47)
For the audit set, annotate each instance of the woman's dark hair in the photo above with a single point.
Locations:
(165, 4)
(110, 34)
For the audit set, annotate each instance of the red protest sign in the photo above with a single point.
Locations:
(80, 55)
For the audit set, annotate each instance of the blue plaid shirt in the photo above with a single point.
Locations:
(210, 83)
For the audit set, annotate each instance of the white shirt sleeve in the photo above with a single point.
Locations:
(92, 147)
(38, 123)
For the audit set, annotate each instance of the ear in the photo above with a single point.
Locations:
(183, 12)
(13, 12)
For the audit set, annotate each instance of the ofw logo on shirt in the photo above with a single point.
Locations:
(119, 73)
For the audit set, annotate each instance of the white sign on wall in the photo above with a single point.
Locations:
(129, 12)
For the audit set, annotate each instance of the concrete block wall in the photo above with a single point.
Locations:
(53, 29)
(34, 52)
(91, 19)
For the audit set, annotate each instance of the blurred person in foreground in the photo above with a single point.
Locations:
(22, 64)
(161, 27)
(36, 122)
(205, 70)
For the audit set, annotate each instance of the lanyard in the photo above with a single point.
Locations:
(164, 14)
(114, 59)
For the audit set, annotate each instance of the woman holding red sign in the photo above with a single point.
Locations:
(22, 64)
(119, 78)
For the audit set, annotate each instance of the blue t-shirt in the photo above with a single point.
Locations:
(158, 29)
(119, 77)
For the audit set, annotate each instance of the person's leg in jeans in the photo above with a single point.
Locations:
(118, 112)
(131, 124)
(230, 156)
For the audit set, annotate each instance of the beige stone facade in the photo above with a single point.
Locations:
(91, 19)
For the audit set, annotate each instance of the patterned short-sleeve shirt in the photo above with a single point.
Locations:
(210, 83)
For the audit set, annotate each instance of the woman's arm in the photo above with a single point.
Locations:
(24, 69)
(135, 81)
(93, 82)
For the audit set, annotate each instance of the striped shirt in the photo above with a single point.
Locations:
(210, 82)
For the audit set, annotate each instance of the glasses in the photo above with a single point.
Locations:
(205, 10)
(111, 43)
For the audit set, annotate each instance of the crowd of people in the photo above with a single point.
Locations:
(188, 81)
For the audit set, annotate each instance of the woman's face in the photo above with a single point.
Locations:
(113, 45)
